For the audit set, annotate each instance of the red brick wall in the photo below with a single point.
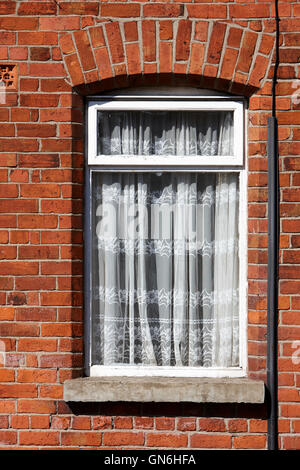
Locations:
(227, 45)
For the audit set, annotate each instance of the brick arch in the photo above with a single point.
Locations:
(203, 53)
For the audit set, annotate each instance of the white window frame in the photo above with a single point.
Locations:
(174, 105)
(232, 163)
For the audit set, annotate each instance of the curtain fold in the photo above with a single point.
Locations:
(165, 249)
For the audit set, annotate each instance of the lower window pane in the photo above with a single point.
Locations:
(165, 269)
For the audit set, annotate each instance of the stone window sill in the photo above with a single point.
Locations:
(164, 389)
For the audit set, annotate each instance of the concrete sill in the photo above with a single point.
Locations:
(164, 389)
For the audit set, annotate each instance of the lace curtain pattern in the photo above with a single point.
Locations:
(163, 133)
(165, 264)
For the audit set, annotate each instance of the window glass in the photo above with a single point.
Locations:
(163, 133)
(165, 269)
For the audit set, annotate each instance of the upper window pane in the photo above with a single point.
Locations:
(165, 133)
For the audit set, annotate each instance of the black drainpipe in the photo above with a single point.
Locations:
(273, 248)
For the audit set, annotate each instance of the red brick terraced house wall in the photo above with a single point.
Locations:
(52, 54)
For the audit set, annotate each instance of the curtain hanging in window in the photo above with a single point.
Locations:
(165, 264)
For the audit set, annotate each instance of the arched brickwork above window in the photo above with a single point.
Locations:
(209, 54)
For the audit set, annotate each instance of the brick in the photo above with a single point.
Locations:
(291, 442)
(149, 40)
(130, 31)
(60, 360)
(84, 50)
(51, 391)
(18, 391)
(80, 438)
(166, 29)
(163, 10)
(8, 221)
(18, 145)
(7, 375)
(39, 422)
(163, 423)
(115, 42)
(60, 24)
(67, 44)
(103, 62)
(8, 437)
(133, 59)
(204, 441)
(37, 221)
(207, 11)
(36, 376)
(38, 160)
(234, 37)
(9, 190)
(165, 57)
(60, 422)
(4, 422)
(197, 58)
(247, 51)
(16, 298)
(20, 422)
(19, 267)
(79, 8)
(36, 406)
(7, 406)
(81, 422)
(237, 425)
(54, 85)
(123, 422)
(7, 8)
(4, 236)
(39, 53)
(18, 205)
(36, 130)
(143, 422)
(47, 70)
(186, 424)
(123, 438)
(201, 31)
(37, 38)
(74, 69)
(258, 73)
(228, 63)
(60, 329)
(39, 100)
(19, 24)
(18, 329)
(183, 39)
(18, 53)
(7, 313)
(120, 10)
(249, 442)
(102, 422)
(166, 440)
(216, 43)
(249, 11)
(34, 345)
(34, 8)
(211, 425)
(7, 38)
(97, 37)
(40, 438)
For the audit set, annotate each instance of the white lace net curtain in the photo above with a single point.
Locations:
(165, 257)
(181, 133)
